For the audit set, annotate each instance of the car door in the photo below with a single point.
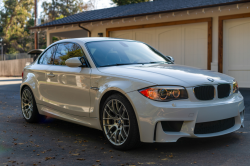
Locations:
(68, 87)
(40, 72)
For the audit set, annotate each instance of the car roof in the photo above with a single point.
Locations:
(35, 51)
(90, 39)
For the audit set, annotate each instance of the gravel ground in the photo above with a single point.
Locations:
(55, 142)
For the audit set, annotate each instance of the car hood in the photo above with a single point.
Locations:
(168, 74)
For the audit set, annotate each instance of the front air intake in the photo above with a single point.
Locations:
(171, 126)
(204, 92)
(214, 126)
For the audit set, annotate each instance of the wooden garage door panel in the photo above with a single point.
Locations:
(170, 42)
(239, 45)
(237, 50)
(243, 77)
(122, 34)
(145, 35)
(195, 51)
(186, 43)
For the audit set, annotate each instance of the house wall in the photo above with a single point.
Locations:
(214, 12)
(60, 31)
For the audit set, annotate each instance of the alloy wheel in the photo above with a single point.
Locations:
(116, 122)
(27, 104)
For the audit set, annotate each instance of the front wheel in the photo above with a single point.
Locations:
(119, 123)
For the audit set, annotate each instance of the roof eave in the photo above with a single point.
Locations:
(130, 16)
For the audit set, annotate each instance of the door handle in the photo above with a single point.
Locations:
(94, 88)
(50, 75)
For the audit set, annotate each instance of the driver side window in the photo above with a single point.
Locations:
(47, 57)
(65, 51)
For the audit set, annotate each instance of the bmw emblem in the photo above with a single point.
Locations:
(210, 79)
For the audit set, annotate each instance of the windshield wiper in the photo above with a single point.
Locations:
(120, 64)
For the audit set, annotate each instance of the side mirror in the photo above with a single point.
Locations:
(170, 58)
(27, 63)
(75, 62)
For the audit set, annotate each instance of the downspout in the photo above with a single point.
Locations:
(85, 29)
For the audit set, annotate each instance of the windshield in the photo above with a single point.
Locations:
(112, 53)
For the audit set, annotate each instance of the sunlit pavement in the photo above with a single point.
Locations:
(56, 142)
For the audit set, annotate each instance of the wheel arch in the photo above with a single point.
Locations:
(104, 97)
(114, 91)
(22, 88)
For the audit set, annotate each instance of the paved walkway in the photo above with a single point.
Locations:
(10, 80)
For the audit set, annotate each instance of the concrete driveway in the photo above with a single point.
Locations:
(56, 142)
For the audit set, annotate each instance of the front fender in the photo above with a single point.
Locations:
(107, 83)
(30, 81)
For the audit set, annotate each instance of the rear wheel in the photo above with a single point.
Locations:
(29, 107)
(119, 123)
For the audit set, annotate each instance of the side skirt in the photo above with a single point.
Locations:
(84, 121)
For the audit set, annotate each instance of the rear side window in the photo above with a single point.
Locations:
(47, 57)
(65, 51)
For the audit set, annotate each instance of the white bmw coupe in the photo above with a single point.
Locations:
(130, 91)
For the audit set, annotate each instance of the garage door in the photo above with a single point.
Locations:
(236, 54)
(186, 43)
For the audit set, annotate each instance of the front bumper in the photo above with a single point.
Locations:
(151, 113)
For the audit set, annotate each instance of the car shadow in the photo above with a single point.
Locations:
(96, 139)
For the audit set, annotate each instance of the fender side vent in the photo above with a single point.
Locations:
(171, 126)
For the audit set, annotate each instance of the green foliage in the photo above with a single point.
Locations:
(61, 16)
(16, 17)
(54, 39)
(57, 9)
(70, 54)
(14, 20)
(126, 2)
(12, 51)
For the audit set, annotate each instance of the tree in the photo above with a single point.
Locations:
(126, 2)
(50, 10)
(14, 18)
(57, 9)
(92, 4)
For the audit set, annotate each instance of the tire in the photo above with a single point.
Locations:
(119, 123)
(29, 107)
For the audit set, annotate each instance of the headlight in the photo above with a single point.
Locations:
(235, 87)
(167, 93)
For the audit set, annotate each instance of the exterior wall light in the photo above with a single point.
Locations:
(100, 34)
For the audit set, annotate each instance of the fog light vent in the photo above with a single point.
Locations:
(171, 126)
